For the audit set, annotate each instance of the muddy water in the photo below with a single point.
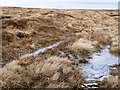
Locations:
(99, 66)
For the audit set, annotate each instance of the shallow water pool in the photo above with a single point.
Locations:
(99, 65)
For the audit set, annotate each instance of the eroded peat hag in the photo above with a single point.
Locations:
(57, 47)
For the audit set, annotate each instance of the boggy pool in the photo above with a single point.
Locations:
(99, 66)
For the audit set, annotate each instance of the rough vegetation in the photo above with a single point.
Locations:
(27, 30)
(54, 72)
(110, 82)
(84, 45)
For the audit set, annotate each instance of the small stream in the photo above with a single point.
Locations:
(41, 50)
(99, 66)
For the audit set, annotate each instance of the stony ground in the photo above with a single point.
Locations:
(27, 30)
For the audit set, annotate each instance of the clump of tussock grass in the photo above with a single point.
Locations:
(15, 76)
(7, 38)
(83, 45)
(18, 24)
(46, 73)
(101, 37)
(110, 82)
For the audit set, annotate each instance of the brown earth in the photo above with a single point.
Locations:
(27, 30)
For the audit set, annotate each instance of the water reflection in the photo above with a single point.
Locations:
(99, 65)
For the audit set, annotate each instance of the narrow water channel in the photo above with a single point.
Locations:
(99, 66)
(41, 50)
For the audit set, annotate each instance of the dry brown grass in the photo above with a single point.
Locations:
(54, 70)
(84, 45)
(18, 37)
(7, 38)
(115, 47)
(110, 82)
(42, 27)
(15, 76)
(26, 30)
(100, 36)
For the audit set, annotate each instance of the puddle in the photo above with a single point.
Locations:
(41, 50)
(99, 65)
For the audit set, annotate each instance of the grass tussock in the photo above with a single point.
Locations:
(84, 45)
(7, 38)
(15, 76)
(101, 37)
(110, 82)
(55, 71)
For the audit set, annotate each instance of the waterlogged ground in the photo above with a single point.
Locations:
(99, 66)
(47, 48)
(41, 50)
